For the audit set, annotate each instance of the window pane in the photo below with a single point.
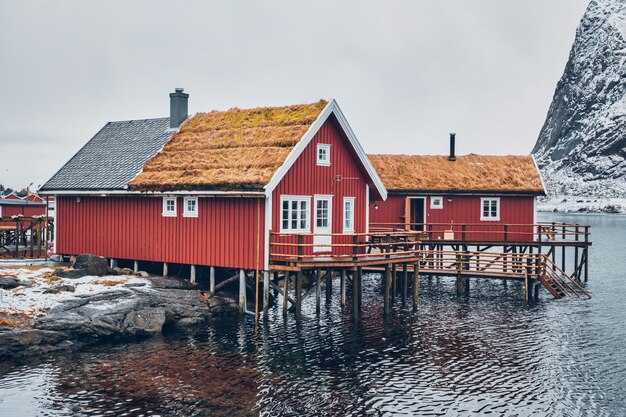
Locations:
(485, 208)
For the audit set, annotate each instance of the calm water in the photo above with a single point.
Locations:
(488, 354)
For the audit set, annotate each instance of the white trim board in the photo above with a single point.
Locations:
(331, 108)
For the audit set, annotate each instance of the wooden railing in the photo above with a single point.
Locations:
(479, 232)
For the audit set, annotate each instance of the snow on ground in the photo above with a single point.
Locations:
(33, 302)
(569, 203)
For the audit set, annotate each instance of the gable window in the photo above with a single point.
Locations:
(348, 215)
(489, 209)
(191, 207)
(295, 212)
(323, 154)
(436, 202)
(169, 207)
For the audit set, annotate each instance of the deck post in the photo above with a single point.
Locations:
(286, 294)
(266, 293)
(387, 288)
(416, 284)
(318, 289)
(192, 274)
(536, 292)
(242, 291)
(113, 263)
(586, 256)
(329, 286)
(165, 269)
(355, 295)
(135, 267)
(394, 284)
(212, 280)
(405, 282)
(359, 274)
(343, 287)
(467, 286)
(298, 295)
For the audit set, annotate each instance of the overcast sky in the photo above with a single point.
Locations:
(405, 73)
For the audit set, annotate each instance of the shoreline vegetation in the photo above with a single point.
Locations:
(42, 311)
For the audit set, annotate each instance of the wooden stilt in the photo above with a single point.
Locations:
(586, 256)
(165, 269)
(242, 291)
(318, 289)
(405, 282)
(343, 287)
(135, 267)
(192, 274)
(298, 296)
(355, 295)
(266, 293)
(329, 286)
(536, 295)
(359, 274)
(467, 286)
(459, 285)
(212, 280)
(286, 294)
(388, 282)
(393, 281)
(416, 284)
(113, 263)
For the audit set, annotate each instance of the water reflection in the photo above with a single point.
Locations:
(487, 354)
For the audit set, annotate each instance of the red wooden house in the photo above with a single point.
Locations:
(208, 190)
(29, 206)
(469, 197)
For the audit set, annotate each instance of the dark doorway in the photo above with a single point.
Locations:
(417, 214)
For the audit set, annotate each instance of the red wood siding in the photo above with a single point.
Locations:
(27, 211)
(518, 210)
(343, 178)
(224, 234)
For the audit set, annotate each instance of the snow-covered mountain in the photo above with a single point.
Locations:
(581, 149)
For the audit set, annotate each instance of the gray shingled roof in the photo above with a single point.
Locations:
(113, 156)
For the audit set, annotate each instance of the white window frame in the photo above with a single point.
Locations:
(490, 217)
(186, 212)
(166, 212)
(433, 201)
(298, 198)
(352, 201)
(322, 162)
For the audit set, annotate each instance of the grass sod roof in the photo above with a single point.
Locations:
(225, 150)
(469, 173)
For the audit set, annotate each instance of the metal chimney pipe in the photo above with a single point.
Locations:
(178, 108)
(452, 156)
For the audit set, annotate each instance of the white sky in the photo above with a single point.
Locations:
(405, 73)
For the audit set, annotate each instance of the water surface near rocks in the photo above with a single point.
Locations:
(489, 354)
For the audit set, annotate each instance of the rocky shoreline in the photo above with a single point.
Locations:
(122, 311)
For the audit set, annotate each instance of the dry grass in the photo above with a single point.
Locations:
(111, 282)
(234, 148)
(14, 319)
(468, 173)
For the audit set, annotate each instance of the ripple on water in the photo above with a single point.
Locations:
(488, 354)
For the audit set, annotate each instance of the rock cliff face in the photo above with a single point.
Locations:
(581, 149)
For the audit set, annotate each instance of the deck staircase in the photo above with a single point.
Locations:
(557, 282)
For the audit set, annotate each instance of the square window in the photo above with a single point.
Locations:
(169, 207)
(436, 202)
(294, 214)
(323, 154)
(191, 207)
(490, 209)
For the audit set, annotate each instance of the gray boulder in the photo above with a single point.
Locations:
(87, 264)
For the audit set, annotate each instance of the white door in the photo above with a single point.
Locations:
(322, 223)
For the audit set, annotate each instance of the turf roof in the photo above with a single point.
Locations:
(226, 150)
(469, 173)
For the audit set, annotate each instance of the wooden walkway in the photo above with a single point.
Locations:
(400, 255)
